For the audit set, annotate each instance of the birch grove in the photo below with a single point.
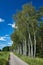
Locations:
(25, 34)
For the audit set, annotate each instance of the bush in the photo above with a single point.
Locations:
(3, 62)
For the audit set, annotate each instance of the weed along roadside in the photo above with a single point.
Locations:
(4, 58)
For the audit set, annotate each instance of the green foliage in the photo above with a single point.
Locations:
(7, 48)
(0, 49)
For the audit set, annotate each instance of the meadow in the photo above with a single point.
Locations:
(4, 57)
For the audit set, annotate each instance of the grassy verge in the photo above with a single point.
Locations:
(4, 56)
(31, 61)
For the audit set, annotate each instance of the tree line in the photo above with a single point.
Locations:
(28, 32)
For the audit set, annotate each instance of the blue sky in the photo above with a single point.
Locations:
(7, 9)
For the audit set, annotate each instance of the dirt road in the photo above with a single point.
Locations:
(14, 60)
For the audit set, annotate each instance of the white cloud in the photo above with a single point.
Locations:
(1, 20)
(6, 35)
(2, 39)
(11, 42)
(12, 25)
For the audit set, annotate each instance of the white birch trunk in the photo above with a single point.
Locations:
(34, 44)
(18, 50)
(31, 45)
(24, 47)
(29, 48)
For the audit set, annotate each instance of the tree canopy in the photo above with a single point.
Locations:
(29, 32)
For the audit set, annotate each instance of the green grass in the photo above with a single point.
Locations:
(31, 61)
(4, 58)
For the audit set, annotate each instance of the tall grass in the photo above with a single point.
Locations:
(4, 58)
